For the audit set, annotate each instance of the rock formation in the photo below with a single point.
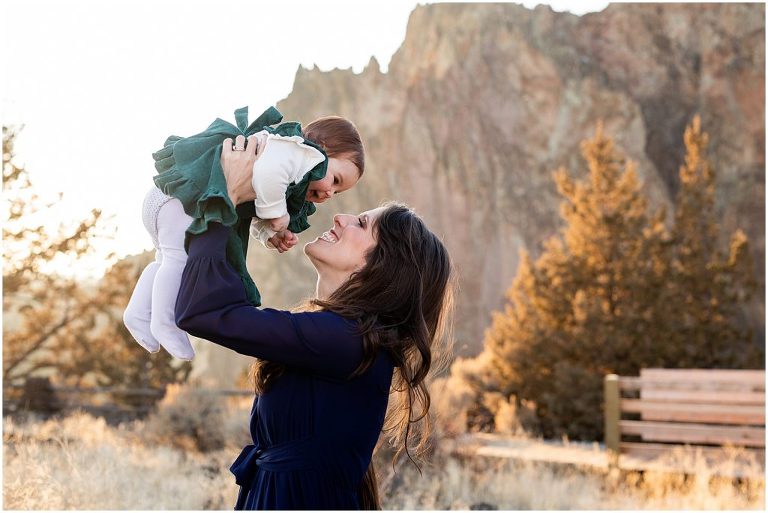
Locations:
(483, 101)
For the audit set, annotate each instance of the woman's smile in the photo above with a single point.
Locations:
(348, 255)
(330, 236)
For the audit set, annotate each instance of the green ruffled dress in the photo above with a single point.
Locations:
(189, 169)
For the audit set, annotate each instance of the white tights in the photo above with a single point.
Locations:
(149, 315)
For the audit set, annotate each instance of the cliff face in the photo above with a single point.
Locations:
(483, 101)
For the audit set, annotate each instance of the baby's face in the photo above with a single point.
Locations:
(342, 175)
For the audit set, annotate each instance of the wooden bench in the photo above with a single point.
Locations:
(697, 410)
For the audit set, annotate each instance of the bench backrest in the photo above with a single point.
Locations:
(707, 407)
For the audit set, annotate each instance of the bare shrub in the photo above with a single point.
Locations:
(457, 397)
(188, 418)
(505, 417)
(451, 398)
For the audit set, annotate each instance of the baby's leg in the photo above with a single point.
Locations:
(138, 312)
(172, 222)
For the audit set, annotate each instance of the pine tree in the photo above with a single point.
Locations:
(585, 307)
(708, 286)
(615, 291)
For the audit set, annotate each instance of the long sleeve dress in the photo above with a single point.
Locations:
(313, 431)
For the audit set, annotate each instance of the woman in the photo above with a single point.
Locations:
(323, 377)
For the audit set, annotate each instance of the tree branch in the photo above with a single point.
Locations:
(39, 342)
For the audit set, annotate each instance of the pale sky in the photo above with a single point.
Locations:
(99, 85)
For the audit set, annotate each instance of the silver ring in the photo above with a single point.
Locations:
(235, 148)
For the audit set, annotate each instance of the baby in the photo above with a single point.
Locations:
(294, 169)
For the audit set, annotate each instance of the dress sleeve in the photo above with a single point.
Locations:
(261, 231)
(212, 305)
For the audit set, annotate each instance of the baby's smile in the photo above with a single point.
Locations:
(316, 196)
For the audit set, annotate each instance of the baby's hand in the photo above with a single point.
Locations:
(279, 224)
(284, 240)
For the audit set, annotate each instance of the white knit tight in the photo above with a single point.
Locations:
(149, 315)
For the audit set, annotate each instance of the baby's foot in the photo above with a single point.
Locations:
(178, 348)
(140, 331)
(173, 340)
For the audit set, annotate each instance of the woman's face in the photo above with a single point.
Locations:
(342, 174)
(342, 249)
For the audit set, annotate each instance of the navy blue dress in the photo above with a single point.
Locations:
(314, 431)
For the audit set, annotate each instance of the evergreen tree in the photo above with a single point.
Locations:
(708, 286)
(608, 293)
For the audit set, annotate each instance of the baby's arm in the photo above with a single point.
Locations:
(282, 241)
(277, 167)
(283, 160)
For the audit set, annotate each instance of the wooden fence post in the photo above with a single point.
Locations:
(39, 395)
(612, 417)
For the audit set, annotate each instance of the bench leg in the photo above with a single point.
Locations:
(612, 416)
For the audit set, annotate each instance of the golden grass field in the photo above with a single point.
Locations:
(80, 462)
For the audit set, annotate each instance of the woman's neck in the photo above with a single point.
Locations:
(327, 285)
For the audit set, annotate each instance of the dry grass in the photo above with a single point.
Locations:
(483, 483)
(79, 462)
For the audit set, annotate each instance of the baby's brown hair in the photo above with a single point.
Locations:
(339, 138)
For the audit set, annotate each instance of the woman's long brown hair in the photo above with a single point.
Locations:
(402, 299)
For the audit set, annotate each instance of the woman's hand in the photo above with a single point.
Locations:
(238, 168)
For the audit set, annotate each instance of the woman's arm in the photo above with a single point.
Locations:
(212, 305)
